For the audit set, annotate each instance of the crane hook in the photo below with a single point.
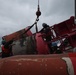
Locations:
(38, 13)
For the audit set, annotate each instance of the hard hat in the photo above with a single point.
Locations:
(45, 25)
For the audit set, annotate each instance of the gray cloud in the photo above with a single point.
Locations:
(18, 14)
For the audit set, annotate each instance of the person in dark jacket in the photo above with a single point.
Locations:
(6, 48)
(3, 41)
(47, 32)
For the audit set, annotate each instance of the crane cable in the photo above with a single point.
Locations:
(38, 13)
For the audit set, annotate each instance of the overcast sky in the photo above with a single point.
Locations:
(18, 14)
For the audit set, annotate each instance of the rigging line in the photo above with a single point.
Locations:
(75, 12)
(38, 2)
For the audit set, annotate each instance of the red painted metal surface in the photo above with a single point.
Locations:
(65, 29)
(73, 59)
(42, 46)
(39, 65)
(17, 35)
